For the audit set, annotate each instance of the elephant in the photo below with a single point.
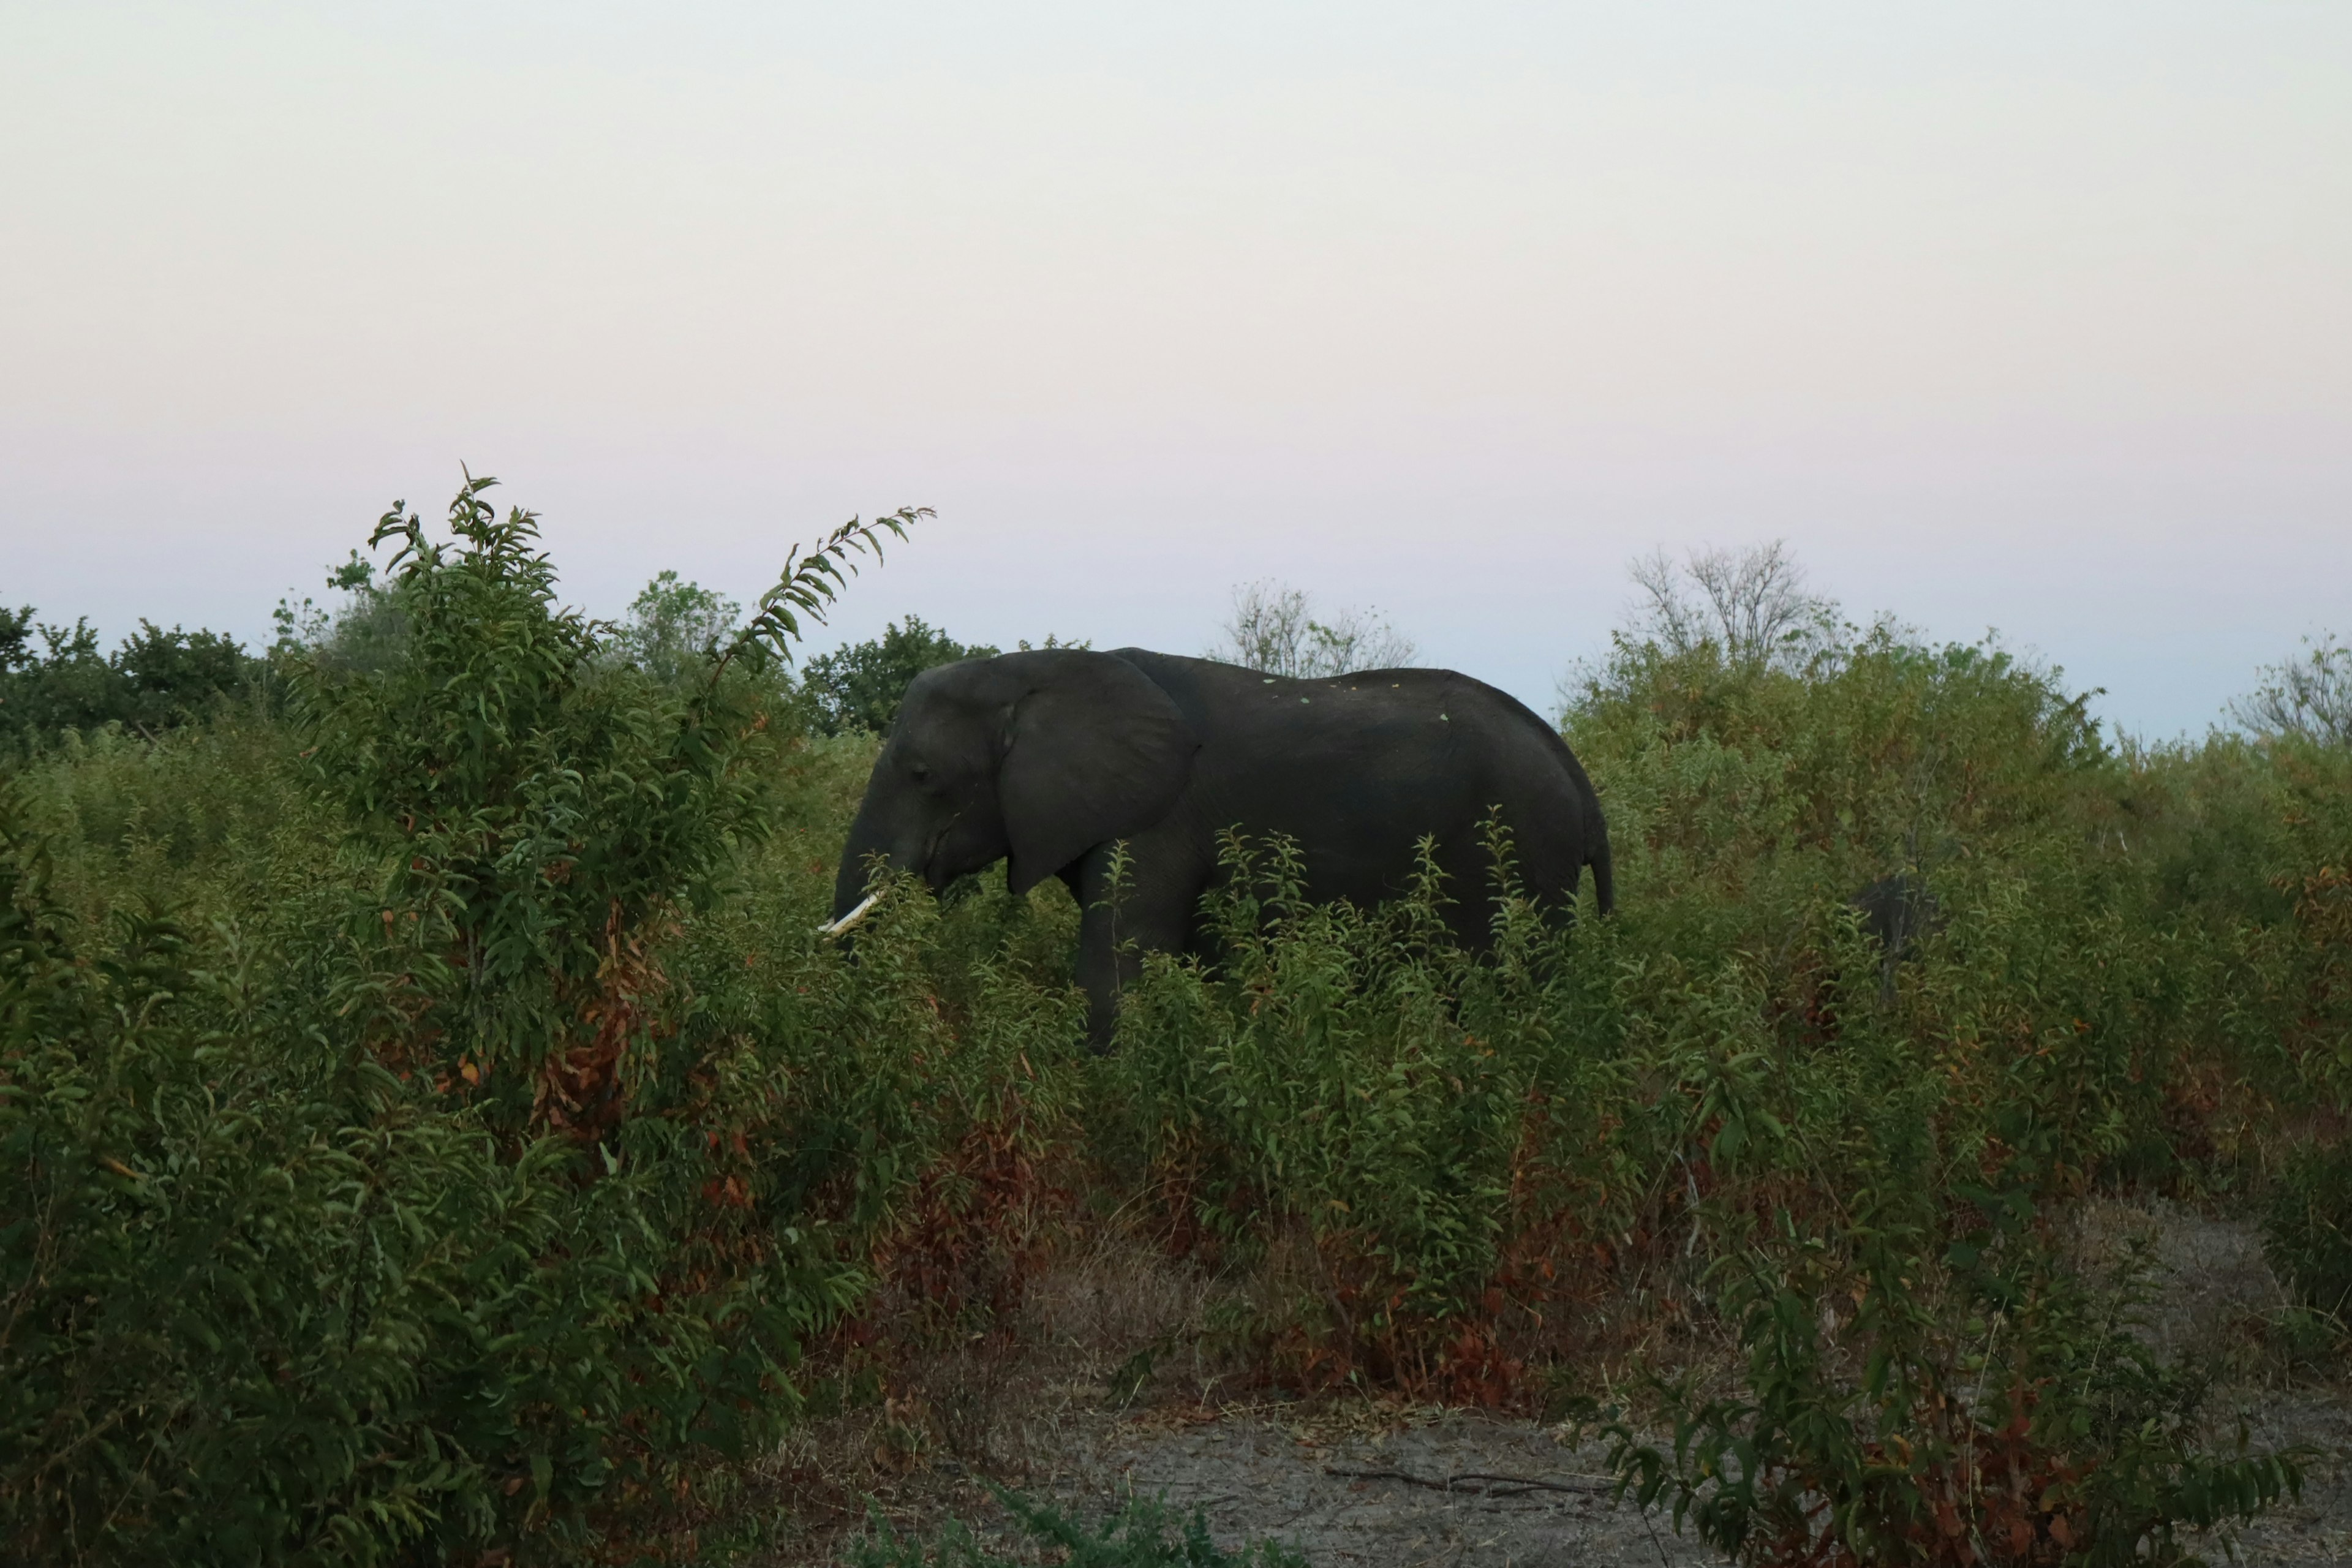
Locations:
(1053, 759)
(1896, 911)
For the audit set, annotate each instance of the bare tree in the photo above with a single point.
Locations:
(1275, 628)
(1751, 603)
(2310, 696)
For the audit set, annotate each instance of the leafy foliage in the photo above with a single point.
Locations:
(428, 1210)
(1355, 1084)
(859, 686)
(154, 680)
(811, 580)
(673, 627)
(544, 811)
(1143, 1534)
(267, 1302)
(2307, 1231)
(1980, 1408)
(367, 631)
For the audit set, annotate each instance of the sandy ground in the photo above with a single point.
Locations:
(2216, 1288)
(1517, 1494)
(1354, 1482)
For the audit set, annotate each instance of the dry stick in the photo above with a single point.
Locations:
(1520, 1485)
(1650, 1526)
(1482, 1482)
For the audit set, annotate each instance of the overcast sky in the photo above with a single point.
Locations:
(2020, 316)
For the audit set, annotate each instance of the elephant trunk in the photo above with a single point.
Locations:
(857, 866)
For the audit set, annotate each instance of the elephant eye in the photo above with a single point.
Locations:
(919, 773)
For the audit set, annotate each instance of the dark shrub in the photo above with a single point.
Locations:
(2307, 1228)
(154, 680)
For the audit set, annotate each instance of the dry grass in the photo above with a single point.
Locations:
(2212, 1296)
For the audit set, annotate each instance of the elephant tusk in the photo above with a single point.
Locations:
(835, 928)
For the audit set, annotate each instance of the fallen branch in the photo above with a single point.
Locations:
(1480, 1482)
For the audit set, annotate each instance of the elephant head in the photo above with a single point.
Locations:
(1036, 757)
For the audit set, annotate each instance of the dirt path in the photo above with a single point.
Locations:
(1532, 1501)
(1253, 1475)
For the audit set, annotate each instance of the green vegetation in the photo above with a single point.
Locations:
(858, 688)
(2307, 1230)
(430, 1127)
(1141, 1535)
(673, 627)
(154, 680)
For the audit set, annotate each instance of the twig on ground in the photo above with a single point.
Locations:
(1479, 1482)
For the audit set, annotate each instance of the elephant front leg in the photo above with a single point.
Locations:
(1116, 926)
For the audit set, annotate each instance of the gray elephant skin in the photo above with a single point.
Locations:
(1051, 758)
(1898, 912)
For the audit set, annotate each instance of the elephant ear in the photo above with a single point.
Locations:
(1096, 751)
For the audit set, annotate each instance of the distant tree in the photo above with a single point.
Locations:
(860, 686)
(2310, 697)
(15, 638)
(367, 632)
(168, 676)
(67, 684)
(1750, 604)
(155, 680)
(1275, 627)
(673, 625)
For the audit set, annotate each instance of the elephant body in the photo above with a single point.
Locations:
(1052, 758)
(1897, 911)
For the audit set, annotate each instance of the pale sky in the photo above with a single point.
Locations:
(2036, 317)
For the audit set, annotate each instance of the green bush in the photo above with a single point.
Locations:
(2307, 1228)
(1980, 1406)
(1356, 1084)
(538, 813)
(674, 629)
(437, 1207)
(1143, 1534)
(860, 686)
(267, 1302)
(154, 680)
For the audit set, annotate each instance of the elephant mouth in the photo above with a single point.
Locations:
(935, 876)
